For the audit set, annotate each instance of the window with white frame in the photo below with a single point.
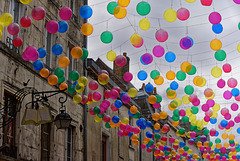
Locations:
(69, 143)
(48, 46)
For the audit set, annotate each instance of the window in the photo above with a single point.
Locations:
(45, 141)
(72, 5)
(104, 148)
(48, 46)
(70, 66)
(131, 124)
(68, 144)
(8, 141)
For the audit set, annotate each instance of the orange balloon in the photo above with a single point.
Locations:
(123, 3)
(181, 151)
(171, 94)
(163, 115)
(170, 75)
(157, 126)
(206, 144)
(134, 137)
(224, 136)
(218, 145)
(186, 67)
(76, 52)
(53, 80)
(199, 143)
(158, 80)
(146, 140)
(231, 137)
(175, 123)
(87, 29)
(133, 109)
(44, 72)
(195, 80)
(135, 142)
(152, 99)
(216, 44)
(64, 61)
(120, 12)
(63, 86)
(156, 116)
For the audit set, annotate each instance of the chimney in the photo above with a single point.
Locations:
(120, 71)
(143, 86)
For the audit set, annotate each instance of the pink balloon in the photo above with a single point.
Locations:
(193, 98)
(182, 112)
(227, 68)
(207, 118)
(234, 107)
(158, 51)
(52, 27)
(221, 83)
(196, 103)
(65, 13)
(103, 71)
(120, 133)
(236, 1)
(114, 94)
(25, 57)
(38, 13)
(224, 111)
(236, 119)
(113, 108)
(156, 105)
(107, 118)
(215, 18)
(161, 35)
(183, 14)
(220, 127)
(26, 21)
(97, 96)
(232, 82)
(31, 52)
(13, 29)
(147, 58)
(120, 60)
(205, 107)
(139, 45)
(93, 85)
(213, 132)
(206, 2)
(127, 76)
(237, 98)
(126, 99)
(231, 123)
(210, 103)
(228, 117)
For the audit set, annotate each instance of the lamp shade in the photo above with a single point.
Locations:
(62, 120)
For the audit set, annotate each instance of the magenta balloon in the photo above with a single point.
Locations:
(161, 35)
(120, 133)
(107, 118)
(65, 13)
(236, 1)
(122, 127)
(31, 52)
(193, 98)
(213, 132)
(185, 43)
(234, 107)
(93, 85)
(227, 68)
(178, 156)
(136, 130)
(38, 13)
(228, 116)
(140, 44)
(126, 99)
(196, 103)
(97, 96)
(232, 82)
(113, 108)
(224, 111)
(210, 103)
(201, 148)
(236, 119)
(106, 103)
(120, 60)
(183, 14)
(52, 26)
(215, 18)
(156, 105)
(237, 98)
(220, 127)
(102, 112)
(193, 134)
(13, 29)
(114, 94)
(221, 83)
(231, 123)
(147, 58)
(143, 146)
(207, 118)
(25, 57)
(182, 112)
(127, 76)
(228, 126)
(158, 51)
(205, 107)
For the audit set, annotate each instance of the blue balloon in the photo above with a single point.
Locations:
(238, 156)
(217, 29)
(130, 134)
(149, 134)
(191, 40)
(217, 150)
(74, 84)
(224, 123)
(217, 133)
(130, 114)
(142, 61)
(156, 131)
(63, 26)
(143, 126)
(235, 92)
(38, 65)
(238, 130)
(148, 124)
(42, 52)
(85, 12)
(213, 121)
(174, 85)
(115, 119)
(142, 75)
(57, 49)
(182, 144)
(122, 94)
(170, 57)
(149, 88)
(118, 103)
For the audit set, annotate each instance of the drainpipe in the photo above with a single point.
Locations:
(140, 153)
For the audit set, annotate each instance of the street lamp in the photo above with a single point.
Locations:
(62, 120)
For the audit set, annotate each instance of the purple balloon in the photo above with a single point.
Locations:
(147, 58)
(227, 95)
(185, 43)
(158, 51)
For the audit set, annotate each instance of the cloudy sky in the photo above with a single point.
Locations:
(200, 54)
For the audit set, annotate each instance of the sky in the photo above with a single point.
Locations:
(200, 54)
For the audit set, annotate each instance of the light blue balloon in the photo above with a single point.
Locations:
(170, 57)
(217, 29)
(142, 75)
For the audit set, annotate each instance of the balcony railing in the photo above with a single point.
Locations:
(11, 46)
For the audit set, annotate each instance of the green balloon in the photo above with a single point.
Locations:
(159, 98)
(143, 8)
(239, 26)
(192, 127)
(111, 6)
(153, 150)
(199, 138)
(59, 72)
(192, 71)
(106, 37)
(196, 130)
(176, 112)
(101, 116)
(96, 110)
(107, 125)
(238, 149)
(61, 79)
(194, 109)
(136, 115)
(74, 75)
(186, 148)
(85, 53)
(189, 89)
(151, 142)
(182, 131)
(205, 132)
(157, 136)
(231, 141)
(185, 119)
(220, 55)
(71, 89)
(154, 73)
(175, 118)
(168, 89)
(218, 140)
(210, 144)
(167, 153)
(181, 76)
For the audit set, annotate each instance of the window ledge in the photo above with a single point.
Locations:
(131, 147)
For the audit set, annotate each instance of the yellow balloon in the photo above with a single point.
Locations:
(82, 81)
(190, 1)
(186, 67)
(158, 80)
(204, 82)
(228, 130)
(0, 35)
(6, 19)
(216, 72)
(135, 39)
(179, 101)
(144, 24)
(238, 47)
(25, 1)
(193, 118)
(123, 3)
(97, 119)
(216, 44)
(132, 92)
(120, 12)
(204, 122)
(199, 123)
(216, 107)
(171, 94)
(170, 15)
(189, 151)
(77, 98)
(111, 55)
(79, 88)
(199, 81)
(214, 115)
(185, 99)
(125, 121)
(1, 27)
(210, 98)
